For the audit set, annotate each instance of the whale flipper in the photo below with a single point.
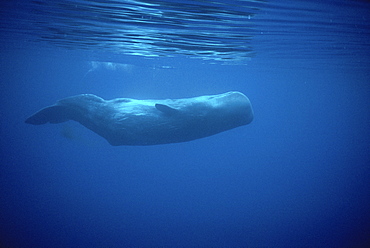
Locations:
(52, 114)
(165, 109)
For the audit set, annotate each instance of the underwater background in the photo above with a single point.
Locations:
(297, 176)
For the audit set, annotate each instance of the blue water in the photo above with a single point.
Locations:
(297, 176)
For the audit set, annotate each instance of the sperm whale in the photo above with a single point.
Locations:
(125, 121)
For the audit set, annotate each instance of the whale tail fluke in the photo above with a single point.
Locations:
(52, 114)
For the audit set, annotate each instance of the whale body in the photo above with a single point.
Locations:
(125, 121)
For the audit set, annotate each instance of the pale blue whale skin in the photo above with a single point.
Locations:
(125, 121)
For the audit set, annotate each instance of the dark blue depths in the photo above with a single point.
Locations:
(296, 176)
